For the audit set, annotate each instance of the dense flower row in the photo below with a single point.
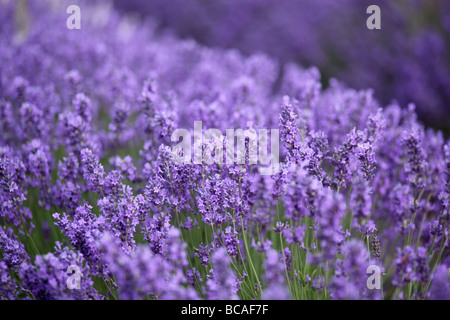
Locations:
(87, 178)
(408, 59)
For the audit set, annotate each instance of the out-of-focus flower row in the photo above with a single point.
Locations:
(407, 60)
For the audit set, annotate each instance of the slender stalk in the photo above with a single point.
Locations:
(248, 253)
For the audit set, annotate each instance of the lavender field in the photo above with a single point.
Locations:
(176, 154)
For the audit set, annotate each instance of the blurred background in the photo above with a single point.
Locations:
(408, 60)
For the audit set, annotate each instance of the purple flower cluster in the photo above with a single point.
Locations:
(47, 277)
(407, 59)
(89, 189)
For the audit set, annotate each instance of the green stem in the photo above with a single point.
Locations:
(248, 252)
(284, 263)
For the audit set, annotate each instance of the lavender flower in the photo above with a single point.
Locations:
(415, 163)
(274, 278)
(46, 279)
(93, 171)
(350, 279)
(440, 287)
(221, 286)
(8, 287)
(13, 251)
